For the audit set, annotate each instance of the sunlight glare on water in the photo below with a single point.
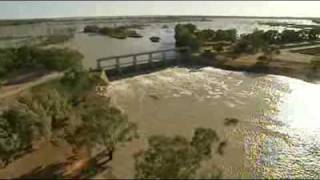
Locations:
(301, 109)
(296, 154)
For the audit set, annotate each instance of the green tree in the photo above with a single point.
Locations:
(59, 59)
(52, 111)
(202, 141)
(185, 37)
(272, 36)
(226, 35)
(6, 62)
(91, 29)
(17, 131)
(206, 35)
(290, 36)
(13, 60)
(175, 157)
(102, 125)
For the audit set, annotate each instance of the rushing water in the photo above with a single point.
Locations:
(277, 135)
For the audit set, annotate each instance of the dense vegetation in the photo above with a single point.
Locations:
(290, 25)
(259, 39)
(15, 60)
(63, 109)
(176, 157)
(185, 36)
(120, 32)
(189, 35)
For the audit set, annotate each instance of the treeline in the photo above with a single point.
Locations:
(260, 39)
(65, 109)
(14, 60)
(189, 35)
(286, 36)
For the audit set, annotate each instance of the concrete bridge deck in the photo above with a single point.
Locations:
(144, 60)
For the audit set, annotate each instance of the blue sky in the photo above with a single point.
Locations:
(44, 9)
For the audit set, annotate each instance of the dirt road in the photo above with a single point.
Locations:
(10, 90)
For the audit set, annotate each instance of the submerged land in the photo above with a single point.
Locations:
(182, 121)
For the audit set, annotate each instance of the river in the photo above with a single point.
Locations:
(278, 130)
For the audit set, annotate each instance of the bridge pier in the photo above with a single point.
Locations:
(135, 63)
(164, 58)
(98, 64)
(178, 58)
(150, 60)
(118, 65)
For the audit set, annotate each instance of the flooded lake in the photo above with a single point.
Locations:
(278, 129)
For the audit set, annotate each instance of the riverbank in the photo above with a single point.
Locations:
(288, 63)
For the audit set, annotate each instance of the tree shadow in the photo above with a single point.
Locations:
(92, 167)
(259, 69)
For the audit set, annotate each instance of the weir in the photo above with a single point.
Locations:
(136, 62)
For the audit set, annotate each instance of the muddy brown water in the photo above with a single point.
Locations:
(278, 129)
(277, 133)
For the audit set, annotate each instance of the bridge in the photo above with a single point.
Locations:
(142, 61)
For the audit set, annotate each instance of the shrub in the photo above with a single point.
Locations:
(59, 59)
(91, 29)
(105, 30)
(226, 35)
(18, 129)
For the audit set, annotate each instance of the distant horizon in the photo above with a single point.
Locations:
(20, 10)
(115, 16)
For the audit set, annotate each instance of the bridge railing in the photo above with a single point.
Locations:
(136, 59)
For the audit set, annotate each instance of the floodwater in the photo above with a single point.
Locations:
(278, 129)
(94, 46)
